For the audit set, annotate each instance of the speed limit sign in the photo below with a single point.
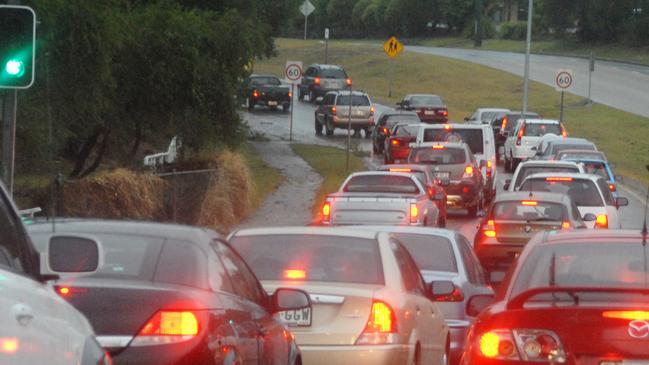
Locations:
(293, 71)
(563, 80)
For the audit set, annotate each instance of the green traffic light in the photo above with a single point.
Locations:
(15, 68)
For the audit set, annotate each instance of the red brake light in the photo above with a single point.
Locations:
(612, 187)
(564, 133)
(372, 110)
(400, 169)
(382, 319)
(386, 131)
(529, 202)
(489, 164)
(349, 82)
(316, 81)
(601, 221)
(504, 124)
(468, 171)
(490, 345)
(447, 127)
(394, 142)
(630, 315)
(414, 213)
(558, 179)
(168, 326)
(455, 296)
(566, 225)
(290, 94)
(444, 112)
(64, 290)
(326, 211)
(294, 274)
(438, 147)
(489, 229)
(255, 94)
(333, 110)
(8, 345)
(521, 132)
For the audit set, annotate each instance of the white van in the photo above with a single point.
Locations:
(479, 137)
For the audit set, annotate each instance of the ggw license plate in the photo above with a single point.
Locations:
(295, 318)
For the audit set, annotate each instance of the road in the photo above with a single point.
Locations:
(621, 86)
(275, 126)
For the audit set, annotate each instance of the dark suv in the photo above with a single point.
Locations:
(320, 79)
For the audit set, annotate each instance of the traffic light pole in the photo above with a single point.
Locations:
(9, 108)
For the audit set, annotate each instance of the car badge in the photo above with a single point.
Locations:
(436, 168)
(527, 229)
(639, 329)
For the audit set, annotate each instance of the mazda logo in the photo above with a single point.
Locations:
(639, 329)
(528, 229)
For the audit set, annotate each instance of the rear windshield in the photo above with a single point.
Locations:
(332, 73)
(407, 130)
(393, 120)
(357, 100)
(472, 137)
(322, 258)
(529, 210)
(526, 171)
(587, 155)
(265, 81)
(381, 184)
(426, 100)
(539, 129)
(608, 265)
(429, 252)
(560, 147)
(512, 119)
(583, 192)
(430, 156)
(489, 115)
(596, 168)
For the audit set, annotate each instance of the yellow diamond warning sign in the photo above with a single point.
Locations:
(392, 47)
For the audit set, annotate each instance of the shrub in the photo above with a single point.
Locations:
(513, 30)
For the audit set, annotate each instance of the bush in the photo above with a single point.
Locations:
(488, 29)
(514, 30)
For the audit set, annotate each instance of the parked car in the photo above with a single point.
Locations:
(430, 108)
(548, 148)
(572, 298)
(523, 143)
(478, 137)
(386, 123)
(267, 90)
(425, 174)
(37, 326)
(319, 79)
(453, 161)
(171, 294)
(590, 192)
(334, 109)
(577, 154)
(531, 167)
(485, 115)
(445, 255)
(370, 303)
(397, 145)
(379, 197)
(514, 218)
(503, 125)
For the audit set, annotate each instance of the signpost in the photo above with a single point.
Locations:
(392, 48)
(293, 73)
(306, 9)
(326, 44)
(591, 69)
(563, 81)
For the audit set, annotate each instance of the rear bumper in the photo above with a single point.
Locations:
(433, 119)
(342, 122)
(458, 337)
(187, 353)
(493, 255)
(356, 355)
(522, 153)
(456, 197)
(399, 153)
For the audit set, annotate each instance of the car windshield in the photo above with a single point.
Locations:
(597, 168)
(586, 155)
(472, 137)
(381, 184)
(557, 147)
(357, 100)
(426, 100)
(582, 191)
(430, 252)
(529, 210)
(526, 171)
(319, 257)
(265, 81)
(332, 73)
(583, 265)
(489, 115)
(541, 129)
(441, 156)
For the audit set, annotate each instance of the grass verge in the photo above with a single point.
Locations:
(329, 162)
(466, 86)
(265, 178)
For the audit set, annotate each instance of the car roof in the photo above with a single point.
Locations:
(456, 126)
(541, 121)
(571, 140)
(297, 230)
(347, 92)
(440, 232)
(263, 75)
(589, 236)
(504, 110)
(375, 172)
(586, 160)
(573, 175)
(539, 196)
(446, 144)
(323, 66)
(549, 163)
(397, 113)
(414, 167)
(411, 95)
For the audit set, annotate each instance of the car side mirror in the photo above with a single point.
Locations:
(440, 289)
(289, 299)
(478, 303)
(507, 183)
(538, 153)
(73, 254)
(589, 217)
(621, 201)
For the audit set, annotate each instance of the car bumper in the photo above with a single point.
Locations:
(342, 122)
(457, 197)
(356, 355)
(458, 338)
(172, 354)
(523, 154)
(271, 102)
(497, 254)
(433, 119)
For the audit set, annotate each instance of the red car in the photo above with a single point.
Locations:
(430, 108)
(397, 145)
(576, 297)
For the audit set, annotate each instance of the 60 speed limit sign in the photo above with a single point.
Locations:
(563, 80)
(293, 71)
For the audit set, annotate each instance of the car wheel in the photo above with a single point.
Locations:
(251, 106)
(318, 126)
(472, 211)
(329, 129)
(286, 107)
(312, 97)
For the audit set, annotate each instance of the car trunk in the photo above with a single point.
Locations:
(339, 311)
(369, 208)
(509, 231)
(454, 172)
(333, 84)
(431, 112)
(401, 148)
(342, 111)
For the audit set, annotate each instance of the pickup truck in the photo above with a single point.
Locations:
(380, 197)
(267, 90)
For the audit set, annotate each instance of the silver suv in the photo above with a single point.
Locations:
(334, 112)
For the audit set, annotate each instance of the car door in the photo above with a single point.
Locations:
(270, 336)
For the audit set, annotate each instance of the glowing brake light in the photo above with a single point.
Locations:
(349, 82)
(333, 110)
(438, 147)
(564, 134)
(468, 172)
(489, 229)
(372, 110)
(443, 112)
(558, 179)
(529, 202)
(489, 167)
(255, 94)
(290, 94)
(316, 81)
(455, 296)
(521, 133)
(565, 225)
(8, 345)
(394, 142)
(612, 187)
(529, 345)
(601, 221)
(386, 131)
(294, 274)
(490, 345)
(447, 127)
(504, 124)
(380, 327)
(414, 213)
(326, 212)
(168, 327)
(400, 169)
(64, 290)
(630, 315)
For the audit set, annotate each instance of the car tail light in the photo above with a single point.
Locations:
(316, 81)
(326, 212)
(381, 325)
(168, 327)
(9, 345)
(612, 187)
(529, 202)
(333, 110)
(443, 112)
(255, 94)
(455, 296)
(558, 179)
(348, 82)
(630, 315)
(466, 189)
(468, 171)
(386, 131)
(395, 142)
(530, 345)
(521, 133)
(414, 213)
(601, 221)
(489, 229)
(294, 274)
(372, 110)
(438, 147)
(63, 291)
(400, 169)
(564, 134)
(290, 94)
(504, 124)
(447, 127)
(565, 225)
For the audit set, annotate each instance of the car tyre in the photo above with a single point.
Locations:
(472, 211)
(286, 107)
(300, 94)
(251, 106)
(329, 129)
(318, 127)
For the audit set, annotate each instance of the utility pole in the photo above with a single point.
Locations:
(9, 107)
(526, 80)
(477, 41)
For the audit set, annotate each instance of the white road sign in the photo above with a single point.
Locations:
(563, 80)
(306, 8)
(293, 71)
(326, 33)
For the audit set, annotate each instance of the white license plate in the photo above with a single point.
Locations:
(272, 103)
(358, 113)
(294, 318)
(441, 174)
(429, 112)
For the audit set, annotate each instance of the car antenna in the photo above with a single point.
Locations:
(644, 223)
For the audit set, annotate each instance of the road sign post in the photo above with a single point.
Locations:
(392, 48)
(591, 69)
(306, 9)
(563, 81)
(293, 74)
(326, 35)
(349, 130)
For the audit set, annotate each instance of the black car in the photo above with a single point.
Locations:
(320, 79)
(267, 90)
(504, 124)
(430, 108)
(385, 124)
(171, 294)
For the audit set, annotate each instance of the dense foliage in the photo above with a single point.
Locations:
(114, 75)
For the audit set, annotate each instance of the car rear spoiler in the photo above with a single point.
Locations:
(518, 301)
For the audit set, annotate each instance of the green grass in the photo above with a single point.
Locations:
(329, 162)
(466, 86)
(265, 178)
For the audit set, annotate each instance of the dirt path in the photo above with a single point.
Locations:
(291, 203)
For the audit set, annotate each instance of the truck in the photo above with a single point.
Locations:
(267, 90)
(381, 198)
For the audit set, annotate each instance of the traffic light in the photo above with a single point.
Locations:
(17, 44)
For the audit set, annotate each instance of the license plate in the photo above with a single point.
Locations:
(329, 84)
(295, 318)
(441, 174)
(358, 113)
(429, 112)
(272, 103)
